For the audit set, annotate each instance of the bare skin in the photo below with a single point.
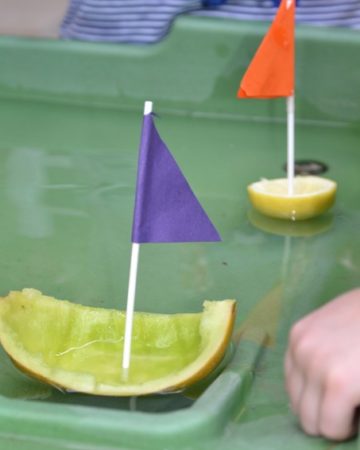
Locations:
(322, 368)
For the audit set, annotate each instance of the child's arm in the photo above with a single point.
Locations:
(322, 368)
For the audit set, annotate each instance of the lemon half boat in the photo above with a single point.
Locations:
(79, 348)
(312, 196)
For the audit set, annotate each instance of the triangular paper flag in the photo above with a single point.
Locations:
(166, 209)
(271, 72)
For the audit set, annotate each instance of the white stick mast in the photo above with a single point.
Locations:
(130, 305)
(290, 106)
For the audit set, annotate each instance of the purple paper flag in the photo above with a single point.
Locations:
(166, 209)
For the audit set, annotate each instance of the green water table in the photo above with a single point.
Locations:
(70, 120)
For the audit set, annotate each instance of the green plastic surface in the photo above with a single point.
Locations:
(70, 120)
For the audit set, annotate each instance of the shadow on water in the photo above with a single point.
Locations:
(150, 403)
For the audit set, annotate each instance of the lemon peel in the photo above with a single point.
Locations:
(312, 196)
(79, 348)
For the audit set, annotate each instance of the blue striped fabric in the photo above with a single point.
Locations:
(148, 21)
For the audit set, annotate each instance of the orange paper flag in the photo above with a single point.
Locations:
(271, 72)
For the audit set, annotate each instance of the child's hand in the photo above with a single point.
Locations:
(322, 368)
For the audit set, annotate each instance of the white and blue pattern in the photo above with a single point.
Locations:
(148, 21)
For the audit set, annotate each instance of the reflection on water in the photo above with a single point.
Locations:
(303, 228)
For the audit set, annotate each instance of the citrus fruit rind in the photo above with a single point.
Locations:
(312, 196)
(79, 348)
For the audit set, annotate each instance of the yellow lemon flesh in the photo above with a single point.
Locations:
(312, 196)
(79, 348)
